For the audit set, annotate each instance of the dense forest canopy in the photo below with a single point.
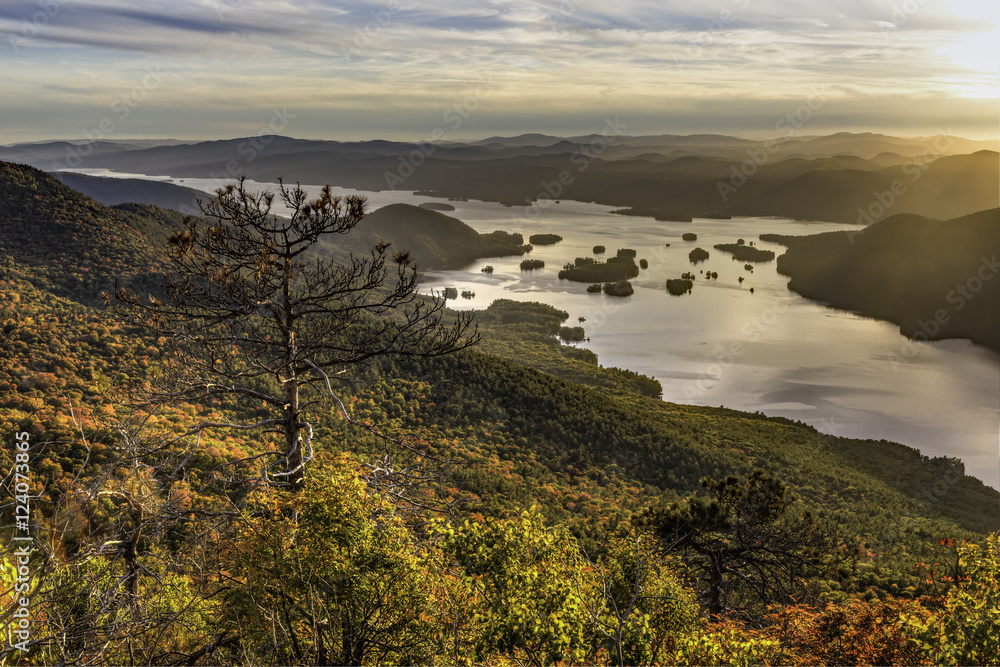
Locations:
(512, 503)
(933, 278)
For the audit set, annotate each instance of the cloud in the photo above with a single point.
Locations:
(133, 27)
(551, 58)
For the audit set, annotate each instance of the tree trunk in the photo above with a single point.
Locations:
(715, 587)
(293, 448)
(352, 648)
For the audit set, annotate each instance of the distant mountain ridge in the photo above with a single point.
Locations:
(838, 178)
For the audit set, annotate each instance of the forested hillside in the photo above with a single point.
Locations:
(935, 279)
(66, 242)
(510, 503)
(113, 191)
(436, 240)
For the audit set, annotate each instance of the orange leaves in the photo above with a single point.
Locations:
(854, 632)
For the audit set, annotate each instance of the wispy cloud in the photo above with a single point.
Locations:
(552, 59)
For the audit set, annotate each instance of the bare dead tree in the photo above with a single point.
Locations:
(255, 314)
(111, 590)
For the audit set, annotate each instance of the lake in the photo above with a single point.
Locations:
(721, 345)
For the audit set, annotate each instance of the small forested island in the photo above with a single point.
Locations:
(544, 239)
(744, 253)
(589, 270)
(660, 214)
(572, 334)
(678, 286)
(599, 249)
(619, 288)
(437, 206)
(698, 255)
(689, 236)
(532, 264)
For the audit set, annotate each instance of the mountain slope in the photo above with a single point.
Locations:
(946, 187)
(934, 279)
(113, 191)
(817, 178)
(590, 458)
(435, 240)
(70, 243)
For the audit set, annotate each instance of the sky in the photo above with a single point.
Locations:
(420, 69)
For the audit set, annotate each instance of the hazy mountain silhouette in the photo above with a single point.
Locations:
(838, 177)
(113, 191)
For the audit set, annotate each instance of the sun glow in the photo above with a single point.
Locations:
(975, 53)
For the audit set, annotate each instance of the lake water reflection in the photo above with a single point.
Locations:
(770, 351)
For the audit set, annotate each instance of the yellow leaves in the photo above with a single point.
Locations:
(728, 643)
(967, 630)
(8, 578)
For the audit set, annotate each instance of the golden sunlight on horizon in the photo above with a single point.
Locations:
(976, 51)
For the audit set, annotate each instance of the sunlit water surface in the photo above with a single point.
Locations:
(770, 351)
